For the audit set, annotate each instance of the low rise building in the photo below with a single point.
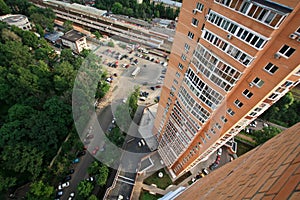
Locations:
(172, 4)
(20, 21)
(75, 40)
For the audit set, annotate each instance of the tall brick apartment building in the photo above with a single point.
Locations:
(230, 61)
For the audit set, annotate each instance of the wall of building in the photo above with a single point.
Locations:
(237, 72)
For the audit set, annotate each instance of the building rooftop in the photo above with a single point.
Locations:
(72, 35)
(169, 2)
(53, 37)
(81, 8)
(10, 19)
(146, 125)
(268, 171)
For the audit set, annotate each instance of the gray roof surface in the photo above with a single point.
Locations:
(72, 35)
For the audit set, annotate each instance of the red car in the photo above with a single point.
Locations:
(158, 86)
(96, 149)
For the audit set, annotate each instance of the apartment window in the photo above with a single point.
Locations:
(287, 84)
(258, 82)
(273, 96)
(247, 93)
(297, 73)
(195, 22)
(175, 81)
(173, 89)
(263, 14)
(223, 119)
(298, 31)
(203, 91)
(186, 47)
(191, 35)
(180, 66)
(238, 103)
(286, 51)
(271, 68)
(218, 126)
(177, 74)
(183, 57)
(247, 35)
(207, 135)
(220, 73)
(230, 111)
(203, 140)
(228, 48)
(199, 6)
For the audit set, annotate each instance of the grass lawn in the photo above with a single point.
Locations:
(145, 195)
(242, 148)
(161, 183)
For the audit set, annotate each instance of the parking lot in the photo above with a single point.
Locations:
(122, 62)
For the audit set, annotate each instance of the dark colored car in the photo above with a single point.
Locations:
(71, 171)
(213, 166)
(81, 153)
(152, 88)
(67, 178)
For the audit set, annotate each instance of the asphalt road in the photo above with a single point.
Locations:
(125, 84)
(104, 118)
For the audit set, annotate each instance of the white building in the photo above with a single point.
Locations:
(75, 40)
(20, 21)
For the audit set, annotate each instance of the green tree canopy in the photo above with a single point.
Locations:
(40, 191)
(85, 188)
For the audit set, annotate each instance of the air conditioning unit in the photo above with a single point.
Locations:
(229, 36)
(293, 36)
(277, 55)
(194, 11)
(251, 84)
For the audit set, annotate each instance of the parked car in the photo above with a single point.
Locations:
(71, 171)
(81, 153)
(90, 136)
(142, 98)
(219, 152)
(91, 179)
(59, 193)
(152, 88)
(96, 149)
(76, 160)
(64, 185)
(205, 171)
(71, 196)
(67, 178)
(213, 166)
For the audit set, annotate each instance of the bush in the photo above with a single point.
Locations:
(111, 44)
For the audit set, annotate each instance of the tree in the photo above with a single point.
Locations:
(4, 9)
(117, 8)
(40, 191)
(101, 178)
(85, 188)
(97, 34)
(93, 197)
(8, 35)
(262, 136)
(6, 182)
(94, 168)
(68, 25)
(111, 44)
(22, 158)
